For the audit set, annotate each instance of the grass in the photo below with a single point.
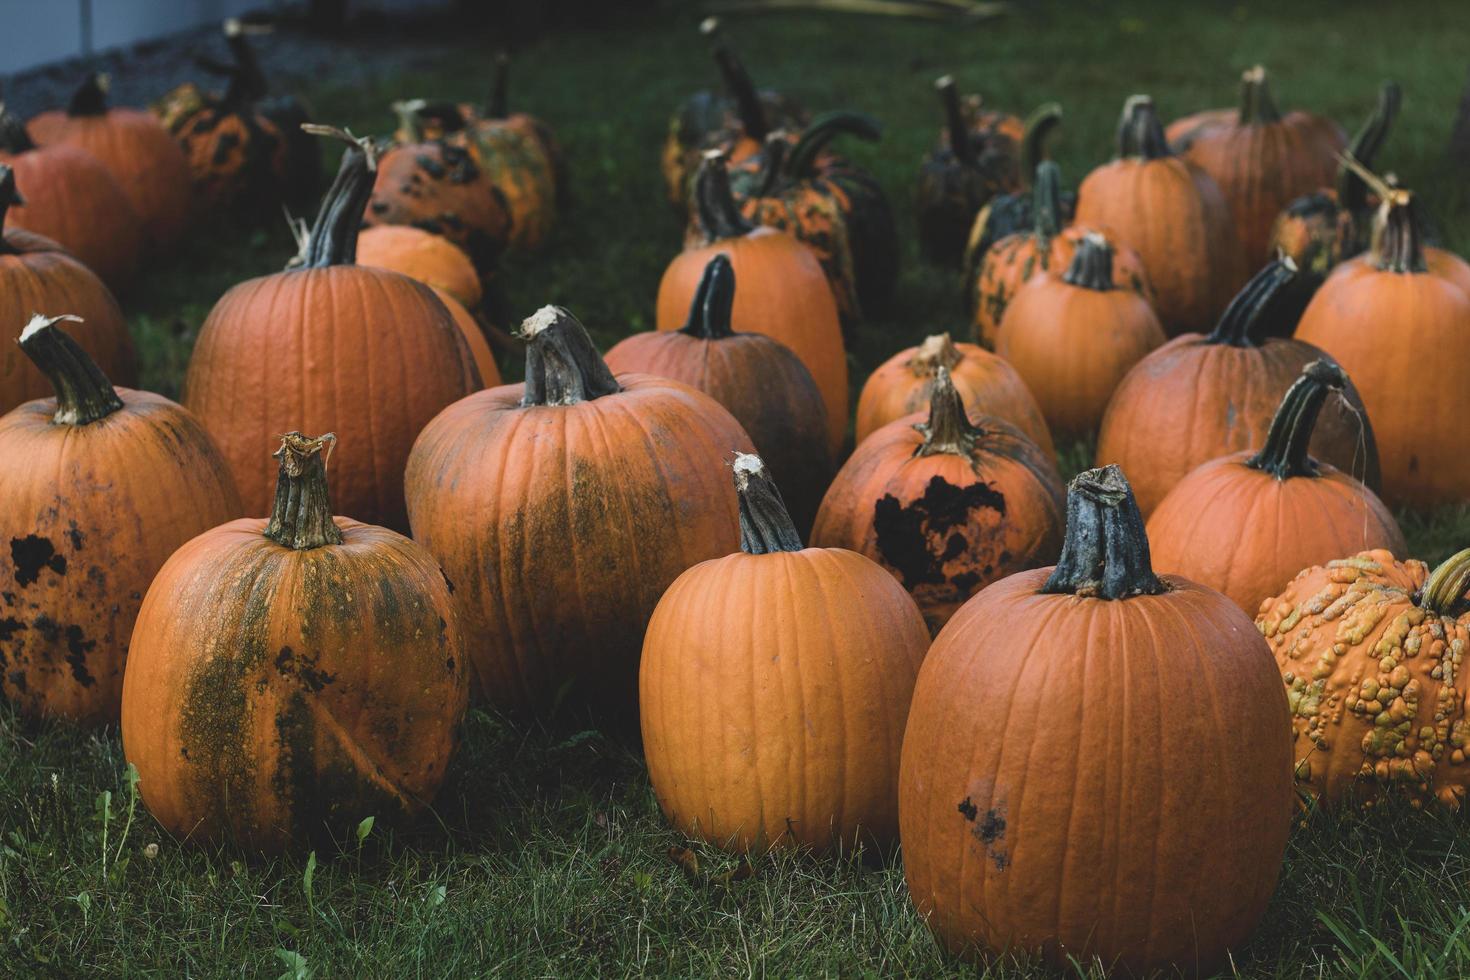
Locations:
(545, 855)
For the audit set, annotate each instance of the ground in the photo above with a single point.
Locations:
(546, 855)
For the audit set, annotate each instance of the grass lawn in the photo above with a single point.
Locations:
(546, 855)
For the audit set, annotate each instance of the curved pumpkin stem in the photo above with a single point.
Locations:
(333, 236)
(709, 314)
(948, 429)
(1256, 105)
(562, 364)
(737, 80)
(1352, 189)
(1445, 589)
(714, 205)
(802, 162)
(1105, 551)
(1092, 266)
(1285, 453)
(937, 351)
(14, 138)
(301, 517)
(1237, 325)
(90, 98)
(1398, 245)
(765, 524)
(1039, 127)
(954, 119)
(1140, 133)
(1046, 203)
(773, 163)
(83, 393)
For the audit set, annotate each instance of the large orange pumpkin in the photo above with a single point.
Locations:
(329, 344)
(947, 501)
(561, 509)
(1052, 795)
(1172, 213)
(1381, 316)
(36, 274)
(774, 688)
(1202, 396)
(101, 486)
(1244, 524)
(783, 294)
(289, 677)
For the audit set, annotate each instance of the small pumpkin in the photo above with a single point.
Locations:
(1244, 524)
(495, 115)
(988, 385)
(561, 509)
(756, 378)
(784, 293)
(291, 676)
(1369, 652)
(37, 274)
(947, 501)
(111, 483)
(1010, 213)
(1060, 719)
(1202, 396)
(1072, 338)
(1173, 213)
(759, 735)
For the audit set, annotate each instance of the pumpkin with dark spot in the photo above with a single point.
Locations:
(1097, 765)
(946, 501)
(291, 676)
(100, 487)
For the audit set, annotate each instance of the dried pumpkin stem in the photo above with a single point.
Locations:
(248, 82)
(1092, 266)
(1046, 204)
(333, 237)
(954, 119)
(765, 524)
(1256, 105)
(1140, 133)
(1246, 311)
(1105, 551)
(1285, 453)
(714, 203)
(301, 517)
(709, 314)
(1444, 592)
(1352, 189)
(1399, 247)
(83, 393)
(14, 137)
(1039, 127)
(562, 364)
(802, 163)
(948, 429)
(937, 351)
(737, 81)
(90, 98)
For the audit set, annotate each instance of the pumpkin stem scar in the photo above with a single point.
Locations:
(1445, 589)
(737, 81)
(1398, 246)
(562, 364)
(948, 428)
(83, 393)
(714, 299)
(1247, 310)
(1140, 133)
(1046, 204)
(1352, 189)
(954, 119)
(14, 137)
(333, 237)
(1105, 551)
(715, 209)
(301, 517)
(1092, 266)
(765, 525)
(1285, 453)
(1256, 105)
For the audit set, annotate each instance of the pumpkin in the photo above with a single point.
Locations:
(1045, 246)
(291, 676)
(132, 144)
(1201, 396)
(1380, 315)
(737, 122)
(1010, 213)
(1052, 796)
(947, 501)
(112, 482)
(370, 352)
(1172, 213)
(561, 509)
(496, 115)
(756, 378)
(784, 293)
(975, 161)
(1244, 524)
(774, 689)
(1072, 338)
(1369, 650)
(72, 199)
(902, 385)
(37, 274)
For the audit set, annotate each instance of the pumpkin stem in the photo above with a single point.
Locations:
(1256, 104)
(9, 198)
(1445, 589)
(1352, 189)
(83, 393)
(954, 119)
(13, 135)
(333, 237)
(737, 81)
(1140, 133)
(1237, 325)
(1046, 203)
(714, 205)
(709, 314)
(948, 429)
(90, 98)
(496, 105)
(1285, 452)
(765, 524)
(1105, 550)
(247, 82)
(1092, 266)
(1398, 246)
(301, 517)
(562, 364)
(1039, 127)
(937, 351)
(773, 163)
(802, 163)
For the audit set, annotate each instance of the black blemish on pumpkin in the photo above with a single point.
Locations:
(449, 665)
(1001, 859)
(18, 681)
(965, 581)
(223, 147)
(49, 629)
(33, 553)
(77, 648)
(379, 207)
(9, 598)
(904, 533)
(304, 667)
(968, 809)
(9, 627)
(992, 827)
(76, 537)
(448, 584)
(430, 166)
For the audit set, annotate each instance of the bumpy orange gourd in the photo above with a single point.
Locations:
(774, 688)
(99, 489)
(1059, 722)
(292, 676)
(1244, 524)
(947, 501)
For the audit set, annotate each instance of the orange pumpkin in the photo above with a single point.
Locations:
(1172, 213)
(289, 677)
(988, 385)
(1380, 315)
(1244, 524)
(1072, 338)
(474, 339)
(947, 501)
(36, 274)
(1051, 795)
(561, 509)
(758, 379)
(431, 259)
(784, 293)
(329, 344)
(112, 482)
(775, 686)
